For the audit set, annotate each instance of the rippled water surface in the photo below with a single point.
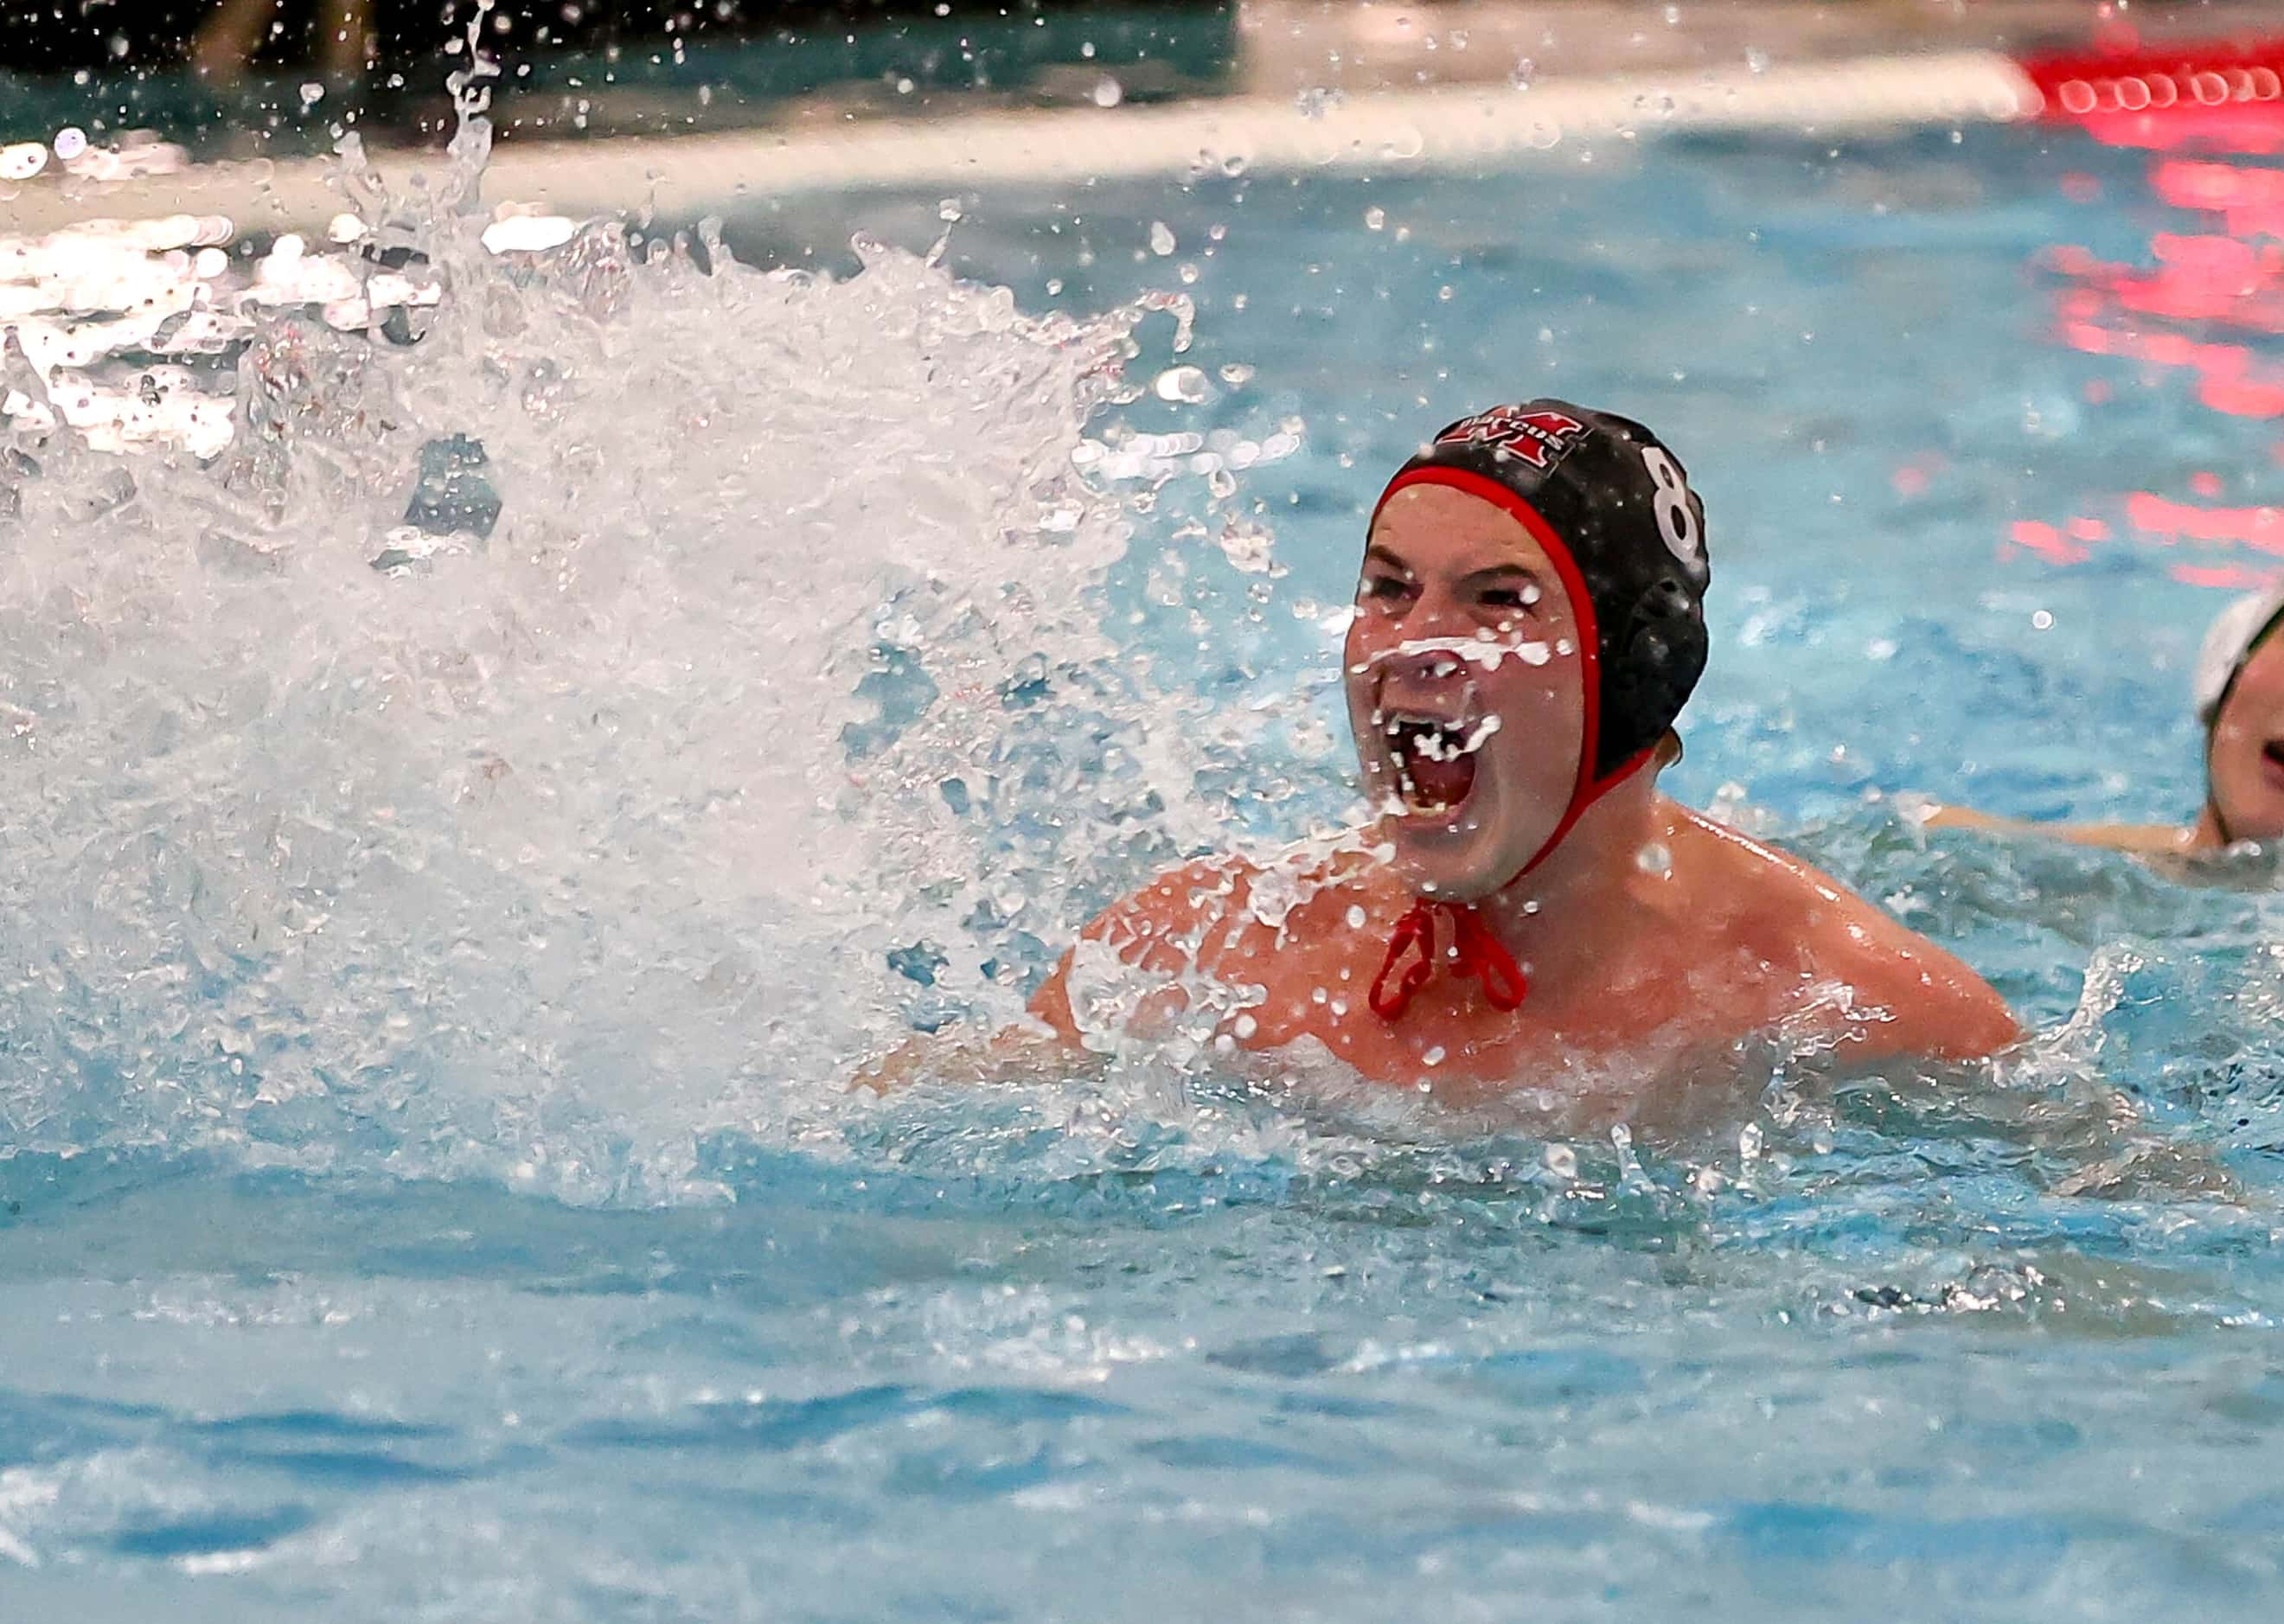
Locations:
(432, 957)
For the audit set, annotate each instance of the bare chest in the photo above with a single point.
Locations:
(1637, 1019)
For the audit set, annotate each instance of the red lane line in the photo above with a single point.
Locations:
(2127, 79)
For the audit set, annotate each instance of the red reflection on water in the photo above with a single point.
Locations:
(2207, 300)
(2241, 129)
(2190, 184)
(2262, 527)
(2227, 577)
(2048, 543)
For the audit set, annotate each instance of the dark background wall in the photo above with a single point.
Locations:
(228, 76)
(49, 36)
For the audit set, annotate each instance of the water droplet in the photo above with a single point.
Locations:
(1434, 1057)
(1108, 92)
(1356, 918)
(1654, 858)
(1185, 385)
(1233, 165)
(22, 160)
(1561, 1162)
(1245, 1026)
(1236, 374)
(1161, 238)
(1748, 1140)
(70, 142)
(1756, 60)
(948, 209)
(1525, 71)
(1375, 218)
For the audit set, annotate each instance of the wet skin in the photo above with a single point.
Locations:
(1654, 937)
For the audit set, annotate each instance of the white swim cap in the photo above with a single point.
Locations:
(2235, 632)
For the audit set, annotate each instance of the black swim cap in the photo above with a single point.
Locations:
(1612, 508)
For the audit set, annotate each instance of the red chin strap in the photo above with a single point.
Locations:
(1476, 949)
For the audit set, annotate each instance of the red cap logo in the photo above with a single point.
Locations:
(1540, 437)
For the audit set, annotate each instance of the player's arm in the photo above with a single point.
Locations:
(2144, 839)
(1156, 930)
(1027, 1052)
(1161, 931)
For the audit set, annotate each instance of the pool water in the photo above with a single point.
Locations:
(431, 1192)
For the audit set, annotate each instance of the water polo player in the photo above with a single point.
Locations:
(2239, 702)
(1524, 909)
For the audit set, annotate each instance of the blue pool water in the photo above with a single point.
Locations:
(430, 1192)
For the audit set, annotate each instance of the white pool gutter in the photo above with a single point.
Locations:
(1386, 130)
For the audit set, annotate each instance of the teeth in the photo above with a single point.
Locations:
(1438, 740)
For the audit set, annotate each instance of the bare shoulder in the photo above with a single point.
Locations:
(1927, 1002)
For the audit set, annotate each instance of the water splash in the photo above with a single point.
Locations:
(584, 717)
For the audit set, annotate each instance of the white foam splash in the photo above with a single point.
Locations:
(1488, 652)
(542, 851)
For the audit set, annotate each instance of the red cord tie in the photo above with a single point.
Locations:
(1475, 952)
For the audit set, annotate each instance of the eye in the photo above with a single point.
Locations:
(1386, 589)
(1505, 598)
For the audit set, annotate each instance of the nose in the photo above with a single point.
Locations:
(1408, 665)
(1436, 678)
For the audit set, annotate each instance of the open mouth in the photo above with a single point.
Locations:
(1435, 760)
